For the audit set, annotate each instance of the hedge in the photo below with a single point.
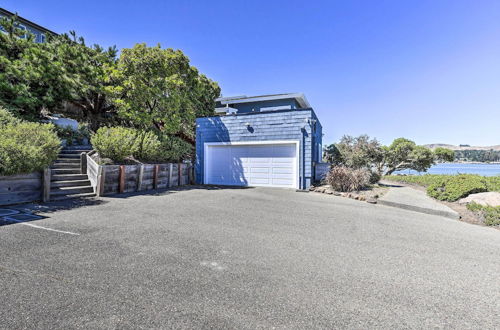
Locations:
(26, 147)
(121, 143)
(458, 186)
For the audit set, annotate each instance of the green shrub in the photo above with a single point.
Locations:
(71, 135)
(491, 214)
(493, 183)
(342, 178)
(116, 143)
(27, 147)
(7, 117)
(455, 187)
(176, 149)
(422, 180)
(148, 147)
(119, 143)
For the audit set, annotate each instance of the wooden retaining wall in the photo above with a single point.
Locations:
(22, 188)
(113, 179)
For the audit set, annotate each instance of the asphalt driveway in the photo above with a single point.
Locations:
(247, 258)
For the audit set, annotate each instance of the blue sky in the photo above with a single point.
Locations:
(425, 70)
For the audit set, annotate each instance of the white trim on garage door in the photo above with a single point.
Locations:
(208, 160)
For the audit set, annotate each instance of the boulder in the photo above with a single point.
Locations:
(491, 198)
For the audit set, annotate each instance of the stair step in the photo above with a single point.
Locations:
(71, 190)
(68, 160)
(68, 156)
(71, 196)
(69, 183)
(78, 147)
(67, 177)
(55, 171)
(58, 165)
(74, 151)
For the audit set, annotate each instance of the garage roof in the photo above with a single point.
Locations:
(300, 97)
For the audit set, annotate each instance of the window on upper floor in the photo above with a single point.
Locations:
(23, 27)
(42, 37)
(280, 107)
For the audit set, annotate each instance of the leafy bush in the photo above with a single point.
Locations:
(119, 143)
(374, 177)
(342, 178)
(422, 180)
(493, 183)
(148, 147)
(27, 147)
(7, 118)
(491, 214)
(455, 187)
(176, 149)
(116, 143)
(71, 135)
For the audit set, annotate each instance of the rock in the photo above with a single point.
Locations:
(329, 192)
(362, 198)
(491, 198)
(336, 193)
(371, 200)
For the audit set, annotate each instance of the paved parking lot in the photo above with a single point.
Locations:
(247, 258)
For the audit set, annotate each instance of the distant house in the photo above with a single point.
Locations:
(267, 140)
(38, 31)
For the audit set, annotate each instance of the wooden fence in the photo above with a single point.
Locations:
(112, 179)
(320, 171)
(21, 188)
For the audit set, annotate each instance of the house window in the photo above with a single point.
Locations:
(22, 27)
(281, 107)
(42, 37)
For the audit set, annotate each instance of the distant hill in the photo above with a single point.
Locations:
(453, 147)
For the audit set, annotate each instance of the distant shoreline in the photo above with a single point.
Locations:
(465, 162)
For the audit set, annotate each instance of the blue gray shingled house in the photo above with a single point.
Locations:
(39, 32)
(267, 140)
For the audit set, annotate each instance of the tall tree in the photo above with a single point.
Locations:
(89, 67)
(158, 89)
(31, 76)
(404, 154)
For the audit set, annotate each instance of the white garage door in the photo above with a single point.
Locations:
(271, 165)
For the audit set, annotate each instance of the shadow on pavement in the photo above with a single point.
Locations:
(163, 192)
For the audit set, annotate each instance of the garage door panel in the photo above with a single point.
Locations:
(260, 170)
(254, 165)
(282, 170)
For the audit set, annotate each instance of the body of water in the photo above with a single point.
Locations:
(456, 168)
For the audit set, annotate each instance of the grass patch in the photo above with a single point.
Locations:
(491, 214)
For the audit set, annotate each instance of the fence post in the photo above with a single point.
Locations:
(155, 176)
(100, 181)
(179, 177)
(83, 163)
(190, 174)
(121, 178)
(170, 174)
(140, 174)
(46, 185)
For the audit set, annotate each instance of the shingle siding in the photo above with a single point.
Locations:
(291, 125)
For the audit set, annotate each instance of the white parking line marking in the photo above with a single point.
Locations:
(45, 228)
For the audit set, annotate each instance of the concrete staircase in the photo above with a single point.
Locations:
(67, 181)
